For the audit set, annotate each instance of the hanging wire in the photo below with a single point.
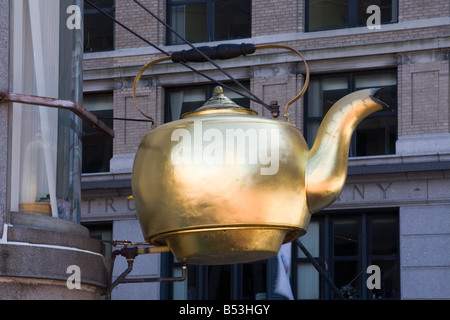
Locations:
(251, 97)
(258, 100)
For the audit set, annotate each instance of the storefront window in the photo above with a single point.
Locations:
(345, 244)
(46, 142)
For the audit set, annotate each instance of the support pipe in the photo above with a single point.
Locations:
(319, 269)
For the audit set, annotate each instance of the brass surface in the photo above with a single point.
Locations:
(185, 200)
(328, 158)
(226, 212)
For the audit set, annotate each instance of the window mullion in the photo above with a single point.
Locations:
(364, 254)
(352, 13)
(210, 18)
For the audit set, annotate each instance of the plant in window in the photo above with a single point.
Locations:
(349, 292)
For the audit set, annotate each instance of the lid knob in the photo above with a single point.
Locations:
(218, 90)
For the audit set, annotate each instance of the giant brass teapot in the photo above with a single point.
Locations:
(224, 185)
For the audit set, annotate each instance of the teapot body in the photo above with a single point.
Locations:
(222, 187)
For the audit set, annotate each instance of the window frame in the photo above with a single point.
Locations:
(209, 91)
(352, 15)
(210, 18)
(98, 138)
(88, 10)
(198, 284)
(364, 256)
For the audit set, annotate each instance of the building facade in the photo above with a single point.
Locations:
(394, 211)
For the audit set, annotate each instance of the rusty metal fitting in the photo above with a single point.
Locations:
(275, 109)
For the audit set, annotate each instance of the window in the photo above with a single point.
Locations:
(377, 134)
(228, 282)
(209, 20)
(346, 244)
(102, 232)
(180, 100)
(337, 14)
(45, 142)
(98, 29)
(98, 150)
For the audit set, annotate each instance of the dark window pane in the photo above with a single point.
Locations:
(187, 99)
(346, 237)
(376, 136)
(388, 11)
(347, 277)
(201, 21)
(384, 236)
(189, 21)
(98, 29)
(219, 282)
(325, 15)
(338, 14)
(232, 19)
(390, 280)
(98, 150)
(254, 281)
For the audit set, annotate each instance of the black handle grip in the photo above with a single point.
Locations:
(222, 52)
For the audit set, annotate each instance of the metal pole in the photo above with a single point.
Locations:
(73, 106)
(319, 269)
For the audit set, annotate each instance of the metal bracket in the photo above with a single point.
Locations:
(72, 106)
(130, 253)
(319, 269)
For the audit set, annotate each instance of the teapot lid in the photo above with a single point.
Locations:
(219, 104)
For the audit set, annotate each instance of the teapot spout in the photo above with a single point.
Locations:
(326, 166)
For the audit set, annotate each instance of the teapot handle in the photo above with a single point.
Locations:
(235, 51)
(305, 86)
(136, 81)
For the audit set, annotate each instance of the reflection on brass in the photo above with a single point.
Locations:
(223, 185)
(209, 208)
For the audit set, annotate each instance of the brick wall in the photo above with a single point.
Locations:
(423, 82)
(137, 19)
(282, 88)
(275, 16)
(130, 134)
(422, 9)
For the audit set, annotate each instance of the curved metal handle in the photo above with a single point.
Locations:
(136, 81)
(305, 86)
(234, 50)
